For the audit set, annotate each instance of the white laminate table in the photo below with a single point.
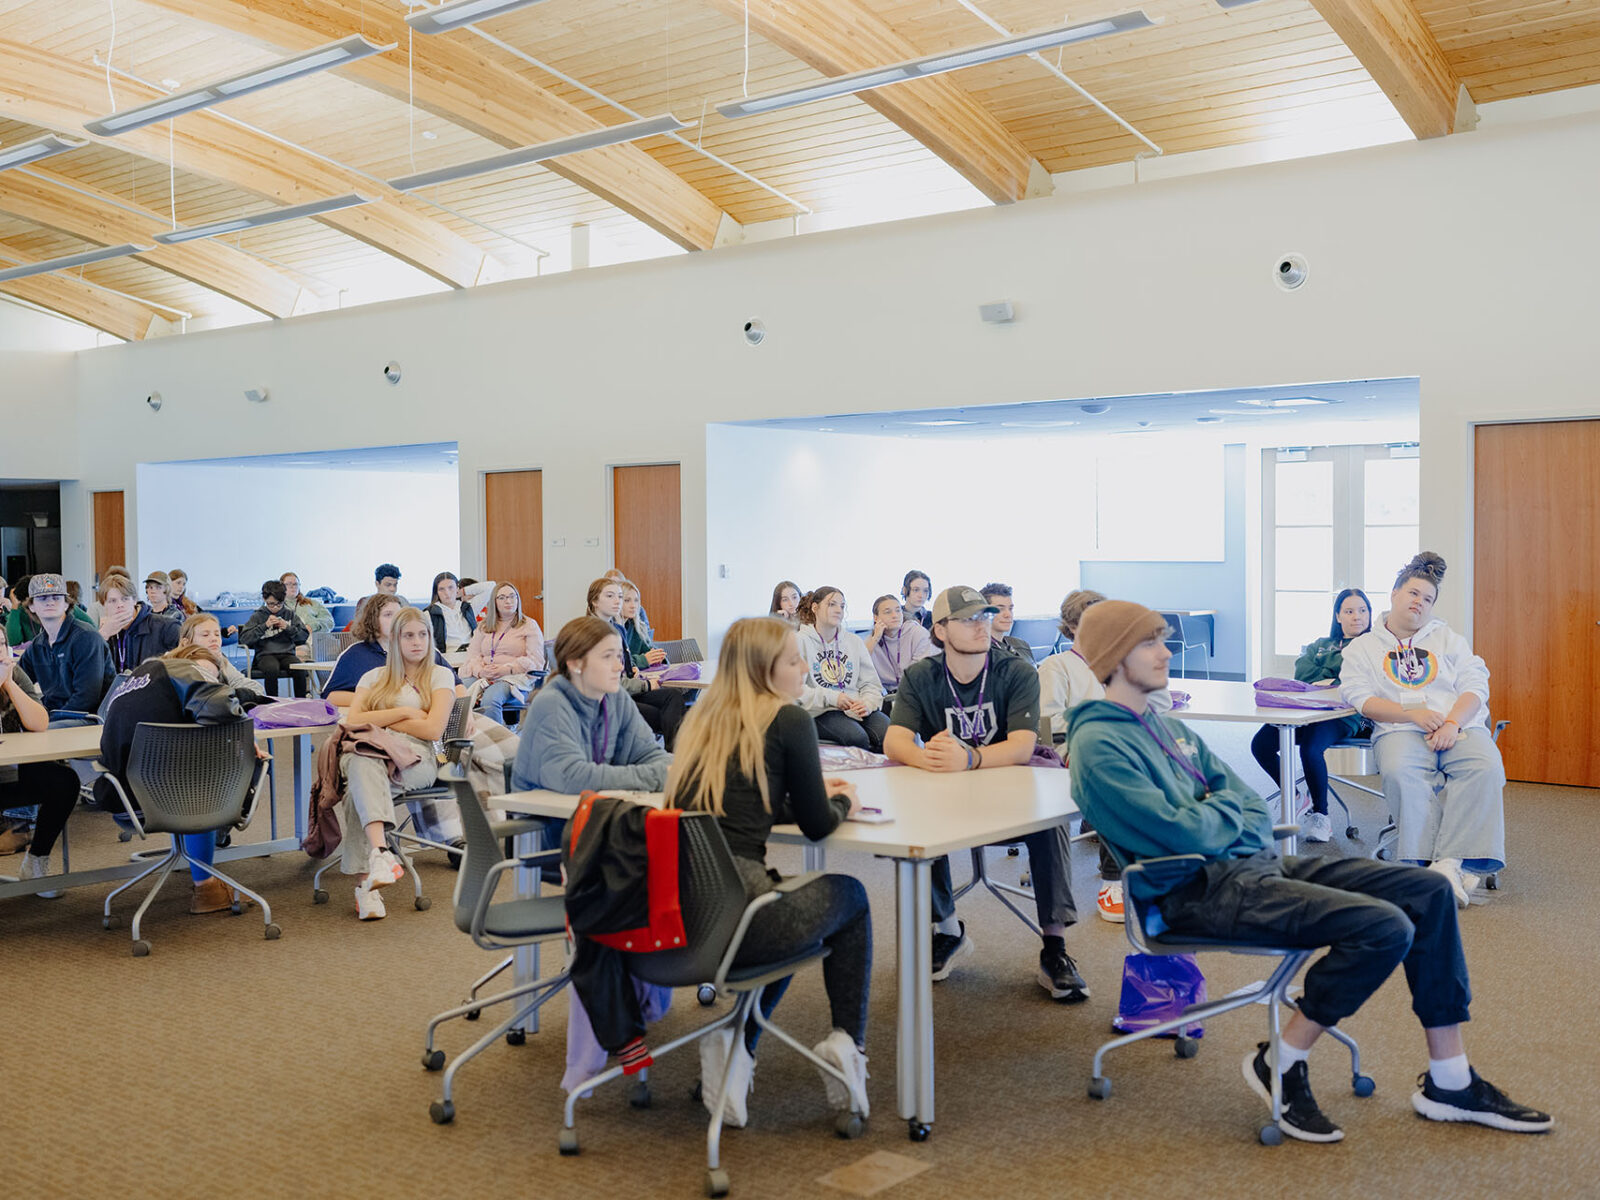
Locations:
(933, 815)
(83, 741)
(1224, 700)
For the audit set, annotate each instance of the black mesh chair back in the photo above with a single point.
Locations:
(192, 778)
(713, 900)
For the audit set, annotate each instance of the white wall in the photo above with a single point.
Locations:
(1468, 261)
(235, 526)
(39, 433)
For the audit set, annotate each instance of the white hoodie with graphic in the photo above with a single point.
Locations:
(1440, 669)
(834, 666)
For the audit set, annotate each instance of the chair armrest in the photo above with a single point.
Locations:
(1279, 832)
(253, 796)
(485, 897)
(515, 826)
(138, 826)
(783, 888)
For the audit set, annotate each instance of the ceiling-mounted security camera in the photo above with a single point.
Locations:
(1290, 271)
(256, 395)
(391, 371)
(154, 401)
(754, 331)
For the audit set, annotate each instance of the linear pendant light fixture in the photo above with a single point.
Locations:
(255, 221)
(463, 12)
(334, 54)
(70, 260)
(39, 147)
(611, 135)
(935, 64)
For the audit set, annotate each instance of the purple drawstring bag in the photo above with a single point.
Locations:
(1270, 693)
(294, 714)
(1157, 988)
(673, 673)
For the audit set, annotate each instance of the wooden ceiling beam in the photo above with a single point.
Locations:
(1392, 41)
(47, 90)
(58, 203)
(71, 297)
(838, 37)
(454, 77)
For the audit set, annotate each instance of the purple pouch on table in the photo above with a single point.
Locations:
(294, 714)
(1044, 756)
(673, 672)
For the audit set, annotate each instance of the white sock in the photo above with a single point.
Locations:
(1288, 1056)
(1452, 1074)
(949, 925)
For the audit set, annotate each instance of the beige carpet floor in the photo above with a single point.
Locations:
(224, 1065)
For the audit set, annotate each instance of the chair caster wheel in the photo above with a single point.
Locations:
(1351, 832)
(568, 1142)
(639, 1095)
(1100, 1089)
(717, 1182)
(1363, 1086)
(1186, 1047)
(422, 903)
(848, 1125)
(141, 949)
(432, 1060)
(473, 1015)
(516, 1037)
(1492, 882)
(442, 1112)
(1383, 854)
(318, 896)
(706, 994)
(918, 1131)
(272, 933)
(111, 922)
(236, 908)
(1271, 1135)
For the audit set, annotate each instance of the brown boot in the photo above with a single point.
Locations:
(210, 895)
(13, 842)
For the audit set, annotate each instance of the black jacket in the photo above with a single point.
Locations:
(436, 615)
(163, 691)
(262, 640)
(148, 635)
(73, 672)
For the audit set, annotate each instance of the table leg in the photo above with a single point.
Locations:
(914, 962)
(302, 785)
(272, 796)
(1286, 782)
(525, 959)
(813, 857)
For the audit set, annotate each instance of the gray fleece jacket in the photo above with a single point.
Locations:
(571, 744)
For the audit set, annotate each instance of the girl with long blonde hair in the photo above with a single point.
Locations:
(748, 753)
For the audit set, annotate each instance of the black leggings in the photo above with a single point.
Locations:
(841, 729)
(829, 911)
(1313, 740)
(53, 786)
(662, 710)
(276, 666)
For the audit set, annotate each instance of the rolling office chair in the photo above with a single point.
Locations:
(715, 918)
(1187, 635)
(1144, 928)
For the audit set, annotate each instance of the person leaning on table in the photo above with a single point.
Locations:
(1154, 789)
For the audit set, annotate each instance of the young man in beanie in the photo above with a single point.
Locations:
(975, 706)
(1154, 789)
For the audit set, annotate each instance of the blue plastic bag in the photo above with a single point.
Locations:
(1157, 988)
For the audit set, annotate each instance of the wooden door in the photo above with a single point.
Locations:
(109, 544)
(513, 526)
(1536, 602)
(648, 541)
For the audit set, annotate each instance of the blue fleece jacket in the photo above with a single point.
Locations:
(73, 672)
(565, 731)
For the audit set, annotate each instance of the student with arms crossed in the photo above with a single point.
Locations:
(1154, 789)
(975, 706)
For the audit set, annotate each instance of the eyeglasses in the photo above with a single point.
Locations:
(974, 621)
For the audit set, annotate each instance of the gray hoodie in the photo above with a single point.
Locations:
(566, 732)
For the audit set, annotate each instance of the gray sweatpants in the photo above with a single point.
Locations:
(1449, 804)
(369, 796)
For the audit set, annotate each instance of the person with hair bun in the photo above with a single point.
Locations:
(842, 689)
(1427, 695)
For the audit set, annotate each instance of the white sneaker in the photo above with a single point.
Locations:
(1450, 868)
(36, 868)
(369, 905)
(1302, 799)
(1316, 827)
(383, 869)
(1109, 903)
(714, 1050)
(839, 1049)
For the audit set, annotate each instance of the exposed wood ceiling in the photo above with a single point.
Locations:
(1203, 77)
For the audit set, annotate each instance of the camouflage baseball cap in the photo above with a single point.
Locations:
(46, 585)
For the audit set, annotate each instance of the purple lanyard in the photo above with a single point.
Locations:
(494, 642)
(1189, 768)
(836, 655)
(969, 728)
(597, 749)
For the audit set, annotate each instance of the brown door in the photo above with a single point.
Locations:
(648, 537)
(513, 525)
(109, 547)
(1536, 605)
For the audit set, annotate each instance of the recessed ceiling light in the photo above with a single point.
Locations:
(1095, 409)
(1266, 412)
(428, 135)
(945, 421)
(171, 85)
(1036, 424)
(1286, 402)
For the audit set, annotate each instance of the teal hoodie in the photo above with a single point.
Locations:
(1145, 805)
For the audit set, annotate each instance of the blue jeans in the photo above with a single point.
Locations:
(495, 698)
(200, 848)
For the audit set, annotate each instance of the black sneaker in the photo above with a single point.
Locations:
(947, 947)
(1300, 1117)
(1058, 975)
(1480, 1102)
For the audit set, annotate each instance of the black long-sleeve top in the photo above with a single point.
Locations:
(794, 783)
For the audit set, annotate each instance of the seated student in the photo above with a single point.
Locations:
(451, 616)
(313, 613)
(894, 644)
(371, 627)
(643, 618)
(505, 651)
(67, 662)
(748, 754)
(975, 706)
(1154, 789)
(1427, 694)
(916, 589)
(581, 734)
(53, 786)
(158, 595)
(636, 638)
(273, 632)
(21, 625)
(180, 687)
(131, 631)
(842, 688)
(786, 602)
(661, 707)
(178, 581)
(998, 596)
(386, 576)
(409, 695)
(1319, 662)
(205, 631)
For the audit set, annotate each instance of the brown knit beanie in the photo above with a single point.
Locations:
(1110, 629)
